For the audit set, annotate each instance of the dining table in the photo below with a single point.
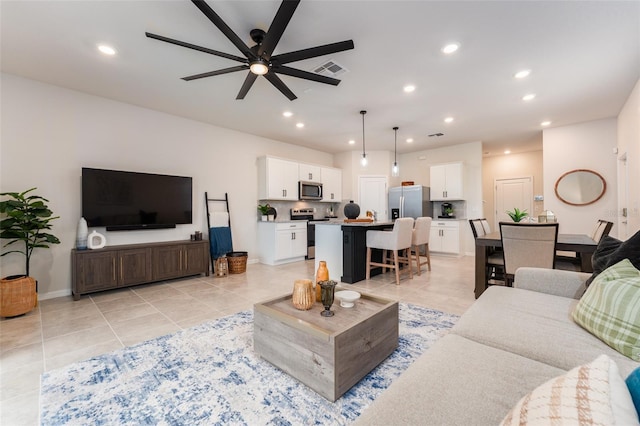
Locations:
(582, 244)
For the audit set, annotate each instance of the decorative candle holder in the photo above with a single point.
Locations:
(327, 291)
(303, 296)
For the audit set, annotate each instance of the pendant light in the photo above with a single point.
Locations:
(395, 171)
(363, 161)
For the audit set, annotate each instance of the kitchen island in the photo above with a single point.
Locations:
(344, 247)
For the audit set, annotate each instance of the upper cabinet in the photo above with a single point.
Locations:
(309, 172)
(331, 184)
(447, 182)
(277, 179)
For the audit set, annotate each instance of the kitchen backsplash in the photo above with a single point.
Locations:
(283, 209)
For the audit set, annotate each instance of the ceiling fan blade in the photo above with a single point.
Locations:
(195, 47)
(217, 72)
(222, 26)
(279, 24)
(248, 82)
(279, 84)
(312, 52)
(306, 75)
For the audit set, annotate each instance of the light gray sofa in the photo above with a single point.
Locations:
(509, 342)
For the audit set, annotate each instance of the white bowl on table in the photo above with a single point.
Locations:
(347, 298)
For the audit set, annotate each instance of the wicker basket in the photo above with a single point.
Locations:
(17, 296)
(237, 261)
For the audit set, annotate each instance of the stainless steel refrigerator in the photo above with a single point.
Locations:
(410, 201)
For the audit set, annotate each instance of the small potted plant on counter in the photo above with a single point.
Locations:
(517, 215)
(26, 220)
(264, 211)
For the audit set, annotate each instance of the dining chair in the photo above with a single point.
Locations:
(527, 244)
(494, 264)
(571, 261)
(419, 240)
(395, 241)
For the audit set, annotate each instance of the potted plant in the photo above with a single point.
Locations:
(26, 220)
(517, 215)
(264, 210)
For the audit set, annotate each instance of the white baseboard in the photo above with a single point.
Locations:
(54, 294)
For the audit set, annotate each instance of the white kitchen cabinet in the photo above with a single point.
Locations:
(309, 172)
(447, 182)
(277, 179)
(331, 184)
(282, 242)
(445, 237)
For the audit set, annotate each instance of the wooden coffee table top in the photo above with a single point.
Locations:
(282, 309)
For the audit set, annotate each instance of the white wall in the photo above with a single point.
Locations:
(511, 166)
(49, 133)
(586, 145)
(629, 146)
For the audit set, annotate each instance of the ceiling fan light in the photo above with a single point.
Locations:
(259, 68)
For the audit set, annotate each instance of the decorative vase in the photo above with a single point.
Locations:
(82, 233)
(351, 210)
(328, 289)
(303, 296)
(321, 275)
(95, 240)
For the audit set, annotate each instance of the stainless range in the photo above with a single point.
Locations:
(307, 214)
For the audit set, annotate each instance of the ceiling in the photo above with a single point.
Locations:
(584, 59)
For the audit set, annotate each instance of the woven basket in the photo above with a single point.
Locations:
(17, 296)
(237, 261)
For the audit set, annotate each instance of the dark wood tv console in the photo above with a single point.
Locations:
(132, 264)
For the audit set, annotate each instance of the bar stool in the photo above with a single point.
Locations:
(420, 238)
(396, 240)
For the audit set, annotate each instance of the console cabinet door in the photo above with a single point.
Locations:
(167, 262)
(134, 266)
(96, 271)
(196, 259)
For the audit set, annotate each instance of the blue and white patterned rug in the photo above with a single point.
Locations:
(210, 375)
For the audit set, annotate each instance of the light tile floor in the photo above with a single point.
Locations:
(62, 331)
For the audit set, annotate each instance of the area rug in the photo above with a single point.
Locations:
(210, 375)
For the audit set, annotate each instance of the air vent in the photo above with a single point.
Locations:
(330, 69)
(436, 135)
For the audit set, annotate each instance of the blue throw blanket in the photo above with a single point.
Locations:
(220, 241)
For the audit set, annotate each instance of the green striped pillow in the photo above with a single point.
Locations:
(610, 308)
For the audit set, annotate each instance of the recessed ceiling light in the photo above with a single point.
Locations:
(450, 48)
(287, 114)
(107, 50)
(529, 97)
(351, 142)
(507, 152)
(409, 88)
(299, 125)
(410, 140)
(522, 74)
(448, 120)
(545, 123)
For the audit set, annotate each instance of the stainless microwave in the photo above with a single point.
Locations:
(309, 190)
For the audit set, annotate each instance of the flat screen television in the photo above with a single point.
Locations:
(122, 200)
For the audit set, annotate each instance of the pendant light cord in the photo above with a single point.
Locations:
(363, 150)
(395, 145)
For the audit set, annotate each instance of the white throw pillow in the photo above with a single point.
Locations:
(593, 393)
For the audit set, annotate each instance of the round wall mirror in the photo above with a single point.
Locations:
(580, 187)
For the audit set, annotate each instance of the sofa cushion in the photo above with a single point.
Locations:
(633, 383)
(457, 382)
(593, 393)
(610, 308)
(534, 325)
(611, 251)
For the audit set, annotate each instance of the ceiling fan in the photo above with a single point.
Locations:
(258, 59)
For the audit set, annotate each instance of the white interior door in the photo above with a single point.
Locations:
(511, 193)
(372, 195)
(623, 197)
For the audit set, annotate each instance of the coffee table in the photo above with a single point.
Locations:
(328, 354)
